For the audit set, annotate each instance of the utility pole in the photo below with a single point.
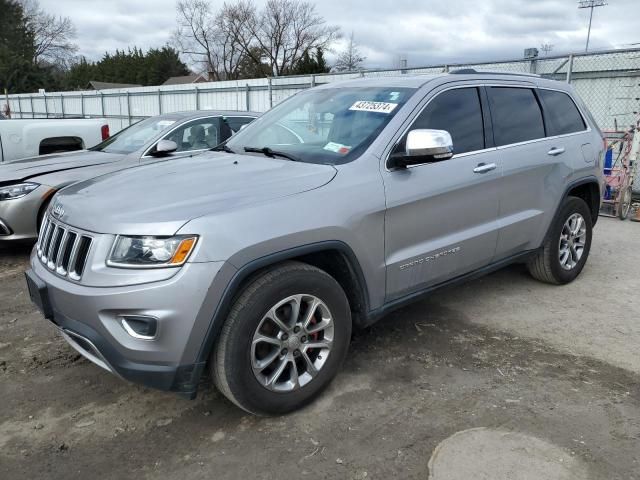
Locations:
(590, 4)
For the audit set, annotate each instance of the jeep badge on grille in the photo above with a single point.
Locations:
(58, 211)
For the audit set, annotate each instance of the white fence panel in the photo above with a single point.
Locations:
(609, 82)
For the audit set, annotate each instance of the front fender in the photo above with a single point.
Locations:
(229, 282)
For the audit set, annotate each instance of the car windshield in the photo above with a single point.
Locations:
(322, 125)
(134, 137)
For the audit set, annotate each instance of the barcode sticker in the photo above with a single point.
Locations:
(377, 107)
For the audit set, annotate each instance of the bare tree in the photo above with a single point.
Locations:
(234, 37)
(350, 60)
(283, 31)
(196, 32)
(279, 35)
(53, 35)
(211, 39)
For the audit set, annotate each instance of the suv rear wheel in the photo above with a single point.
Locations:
(284, 340)
(566, 247)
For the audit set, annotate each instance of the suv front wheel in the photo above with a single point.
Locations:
(284, 340)
(566, 247)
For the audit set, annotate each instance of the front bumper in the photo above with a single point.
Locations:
(19, 217)
(89, 318)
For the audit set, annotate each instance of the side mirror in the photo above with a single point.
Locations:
(164, 148)
(423, 146)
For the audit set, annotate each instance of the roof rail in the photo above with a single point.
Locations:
(473, 71)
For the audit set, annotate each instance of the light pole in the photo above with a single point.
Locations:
(590, 4)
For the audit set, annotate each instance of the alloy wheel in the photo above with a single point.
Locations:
(573, 238)
(292, 343)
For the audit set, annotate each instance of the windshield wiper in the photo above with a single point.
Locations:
(222, 148)
(272, 153)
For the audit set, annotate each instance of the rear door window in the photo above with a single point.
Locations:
(516, 115)
(236, 123)
(459, 112)
(561, 113)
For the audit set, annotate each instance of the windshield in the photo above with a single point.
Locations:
(134, 137)
(325, 125)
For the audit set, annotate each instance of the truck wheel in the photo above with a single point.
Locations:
(284, 340)
(566, 247)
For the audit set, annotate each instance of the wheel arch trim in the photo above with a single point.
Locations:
(593, 180)
(252, 267)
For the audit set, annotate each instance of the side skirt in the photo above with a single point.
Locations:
(375, 315)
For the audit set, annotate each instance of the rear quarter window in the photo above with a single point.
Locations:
(562, 115)
(516, 115)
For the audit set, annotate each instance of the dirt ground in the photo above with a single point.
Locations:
(505, 353)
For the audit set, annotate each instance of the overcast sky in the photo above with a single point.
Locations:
(424, 32)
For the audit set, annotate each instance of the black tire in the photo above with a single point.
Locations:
(546, 266)
(625, 203)
(231, 366)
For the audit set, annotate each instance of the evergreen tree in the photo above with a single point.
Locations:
(17, 71)
(249, 68)
(162, 64)
(131, 66)
(323, 66)
(79, 75)
(311, 63)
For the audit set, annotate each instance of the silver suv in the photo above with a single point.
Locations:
(341, 204)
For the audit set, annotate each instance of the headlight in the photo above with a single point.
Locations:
(16, 191)
(150, 252)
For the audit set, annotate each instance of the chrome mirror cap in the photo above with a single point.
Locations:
(429, 143)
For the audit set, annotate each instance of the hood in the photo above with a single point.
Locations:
(35, 167)
(158, 199)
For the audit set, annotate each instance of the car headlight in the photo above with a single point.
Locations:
(151, 252)
(18, 190)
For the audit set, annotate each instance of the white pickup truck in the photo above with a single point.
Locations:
(33, 137)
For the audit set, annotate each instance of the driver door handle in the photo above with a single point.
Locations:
(485, 167)
(555, 151)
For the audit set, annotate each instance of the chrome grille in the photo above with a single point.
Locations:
(63, 249)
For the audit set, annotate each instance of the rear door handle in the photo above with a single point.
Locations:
(555, 151)
(485, 167)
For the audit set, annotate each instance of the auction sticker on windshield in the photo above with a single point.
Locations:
(337, 148)
(377, 107)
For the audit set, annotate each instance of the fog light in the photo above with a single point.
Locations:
(140, 326)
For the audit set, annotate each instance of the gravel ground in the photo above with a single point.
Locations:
(503, 357)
